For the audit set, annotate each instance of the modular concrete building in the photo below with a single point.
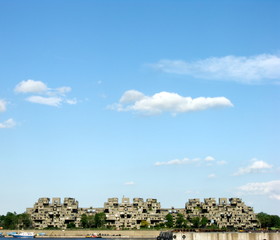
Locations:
(229, 213)
(56, 214)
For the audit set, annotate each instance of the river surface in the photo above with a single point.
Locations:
(103, 238)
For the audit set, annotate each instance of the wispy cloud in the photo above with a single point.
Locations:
(177, 162)
(212, 175)
(129, 183)
(271, 189)
(71, 101)
(197, 161)
(209, 159)
(222, 162)
(257, 166)
(3, 104)
(259, 69)
(45, 95)
(8, 123)
(62, 90)
(51, 101)
(161, 102)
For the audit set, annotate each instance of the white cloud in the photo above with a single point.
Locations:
(264, 68)
(8, 124)
(161, 102)
(257, 166)
(129, 183)
(63, 90)
(51, 101)
(176, 162)
(31, 86)
(71, 101)
(3, 104)
(131, 96)
(197, 161)
(47, 96)
(209, 159)
(271, 189)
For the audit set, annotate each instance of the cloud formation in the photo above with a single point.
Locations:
(259, 69)
(31, 86)
(8, 123)
(3, 104)
(257, 166)
(47, 96)
(271, 189)
(51, 101)
(212, 175)
(198, 161)
(161, 102)
(129, 183)
(209, 159)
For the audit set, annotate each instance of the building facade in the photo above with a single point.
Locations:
(56, 214)
(229, 213)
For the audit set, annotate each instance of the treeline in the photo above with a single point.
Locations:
(179, 221)
(97, 220)
(16, 221)
(268, 221)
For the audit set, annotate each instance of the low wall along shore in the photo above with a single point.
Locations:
(83, 233)
(151, 234)
(230, 236)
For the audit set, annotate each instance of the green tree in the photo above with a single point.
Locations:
(144, 224)
(195, 222)
(10, 221)
(71, 225)
(275, 221)
(264, 219)
(84, 221)
(87, 221)
(99, 219)
(268, 221)
(169, 220)
(203, 222)
(180, 222)
(2, 218)
(198, 222)
(24, 221)
(91, 222)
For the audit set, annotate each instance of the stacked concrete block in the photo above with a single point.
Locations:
(54, 214)
(126, 215)
(229, 213)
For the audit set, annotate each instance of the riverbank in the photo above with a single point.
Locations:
(148, 234)
(152, 234)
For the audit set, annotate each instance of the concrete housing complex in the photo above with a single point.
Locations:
(130, 215)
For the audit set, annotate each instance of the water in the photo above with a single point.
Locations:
(65, 238)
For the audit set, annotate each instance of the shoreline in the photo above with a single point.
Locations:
(114, 234)
(149, 234)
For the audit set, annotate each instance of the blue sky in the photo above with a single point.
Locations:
(155, 99)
